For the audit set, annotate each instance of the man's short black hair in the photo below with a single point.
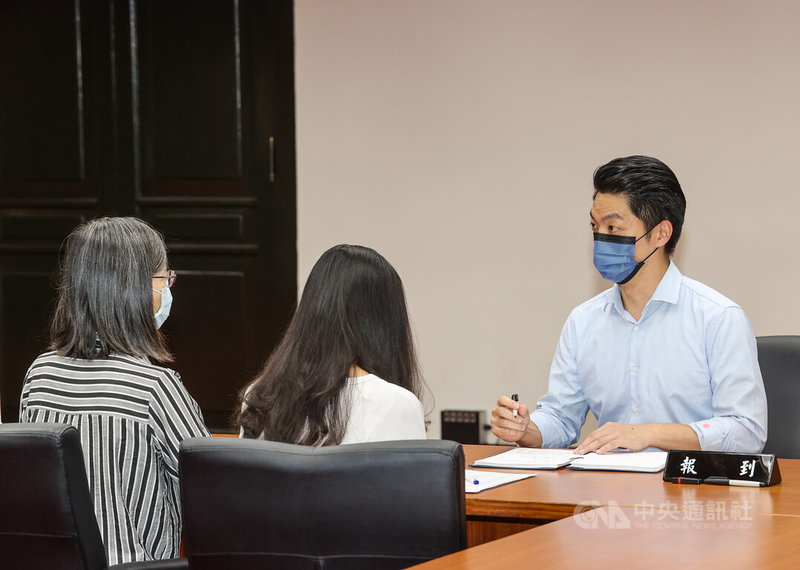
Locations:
(651, 188)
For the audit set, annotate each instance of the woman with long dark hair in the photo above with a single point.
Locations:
(345, 371)
(114, 294)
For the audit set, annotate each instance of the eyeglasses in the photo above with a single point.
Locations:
(170, 277)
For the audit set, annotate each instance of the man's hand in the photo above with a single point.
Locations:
(638, 437)
(505, 425)
(612, 435)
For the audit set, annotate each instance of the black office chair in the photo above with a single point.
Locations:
(779, 358)
(251, 504)
(46, 514)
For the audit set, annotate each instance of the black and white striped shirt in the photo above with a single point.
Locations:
(132, 416)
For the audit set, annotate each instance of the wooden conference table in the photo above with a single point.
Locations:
(631, 519)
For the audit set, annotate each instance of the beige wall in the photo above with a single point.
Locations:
(458, 138)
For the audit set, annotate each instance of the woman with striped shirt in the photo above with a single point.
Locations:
(114, 294)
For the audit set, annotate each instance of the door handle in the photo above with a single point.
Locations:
(272, 159)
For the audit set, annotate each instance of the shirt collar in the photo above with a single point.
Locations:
(669, 288)
(667, 291)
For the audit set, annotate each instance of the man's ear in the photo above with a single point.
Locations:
(662, 232)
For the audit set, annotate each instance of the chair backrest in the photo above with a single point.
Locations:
(779, 358)
(258, 504)
(46, 515)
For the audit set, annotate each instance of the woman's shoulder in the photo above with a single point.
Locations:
(375, 385)
(383, 411)
(142, 365)
(49, 356)
(115, 367)
(43, 360)
(156, 378)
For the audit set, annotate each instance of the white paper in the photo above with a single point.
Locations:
(528, 458)
(488, 479)
(640, 461)
(536, 458)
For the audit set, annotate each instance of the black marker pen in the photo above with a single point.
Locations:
(715, 480)
(683, 480)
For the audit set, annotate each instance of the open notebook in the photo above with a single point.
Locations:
(530, 458)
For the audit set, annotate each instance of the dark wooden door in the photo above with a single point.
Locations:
(180, 112)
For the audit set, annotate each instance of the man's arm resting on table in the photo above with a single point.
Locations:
(637, 437)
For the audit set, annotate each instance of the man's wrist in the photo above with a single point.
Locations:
(532, 437)
(649, 434)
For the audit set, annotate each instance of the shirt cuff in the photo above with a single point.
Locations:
(711, 434)
(548, 427)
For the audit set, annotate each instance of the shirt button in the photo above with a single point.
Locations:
(635, 409)
(636, 328)
(636, 369)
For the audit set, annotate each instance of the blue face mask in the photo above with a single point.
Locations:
(614, 257)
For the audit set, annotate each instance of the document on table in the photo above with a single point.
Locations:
(528, 458)
(476, 481)
(535, 458)
(638, 461)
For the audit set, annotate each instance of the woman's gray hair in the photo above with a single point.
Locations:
(105, 299)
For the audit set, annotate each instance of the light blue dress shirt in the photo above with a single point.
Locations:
(690, 359)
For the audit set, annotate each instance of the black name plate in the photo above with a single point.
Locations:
(721, 468)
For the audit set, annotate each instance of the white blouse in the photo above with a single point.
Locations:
(382, 411)
(379, 411)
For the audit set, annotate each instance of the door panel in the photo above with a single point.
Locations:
(42, 105)
(49, 109)
(189, 69)
(204, 224)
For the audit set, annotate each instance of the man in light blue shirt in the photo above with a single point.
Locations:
(661, 360)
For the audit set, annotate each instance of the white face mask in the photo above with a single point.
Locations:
(166, 303)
